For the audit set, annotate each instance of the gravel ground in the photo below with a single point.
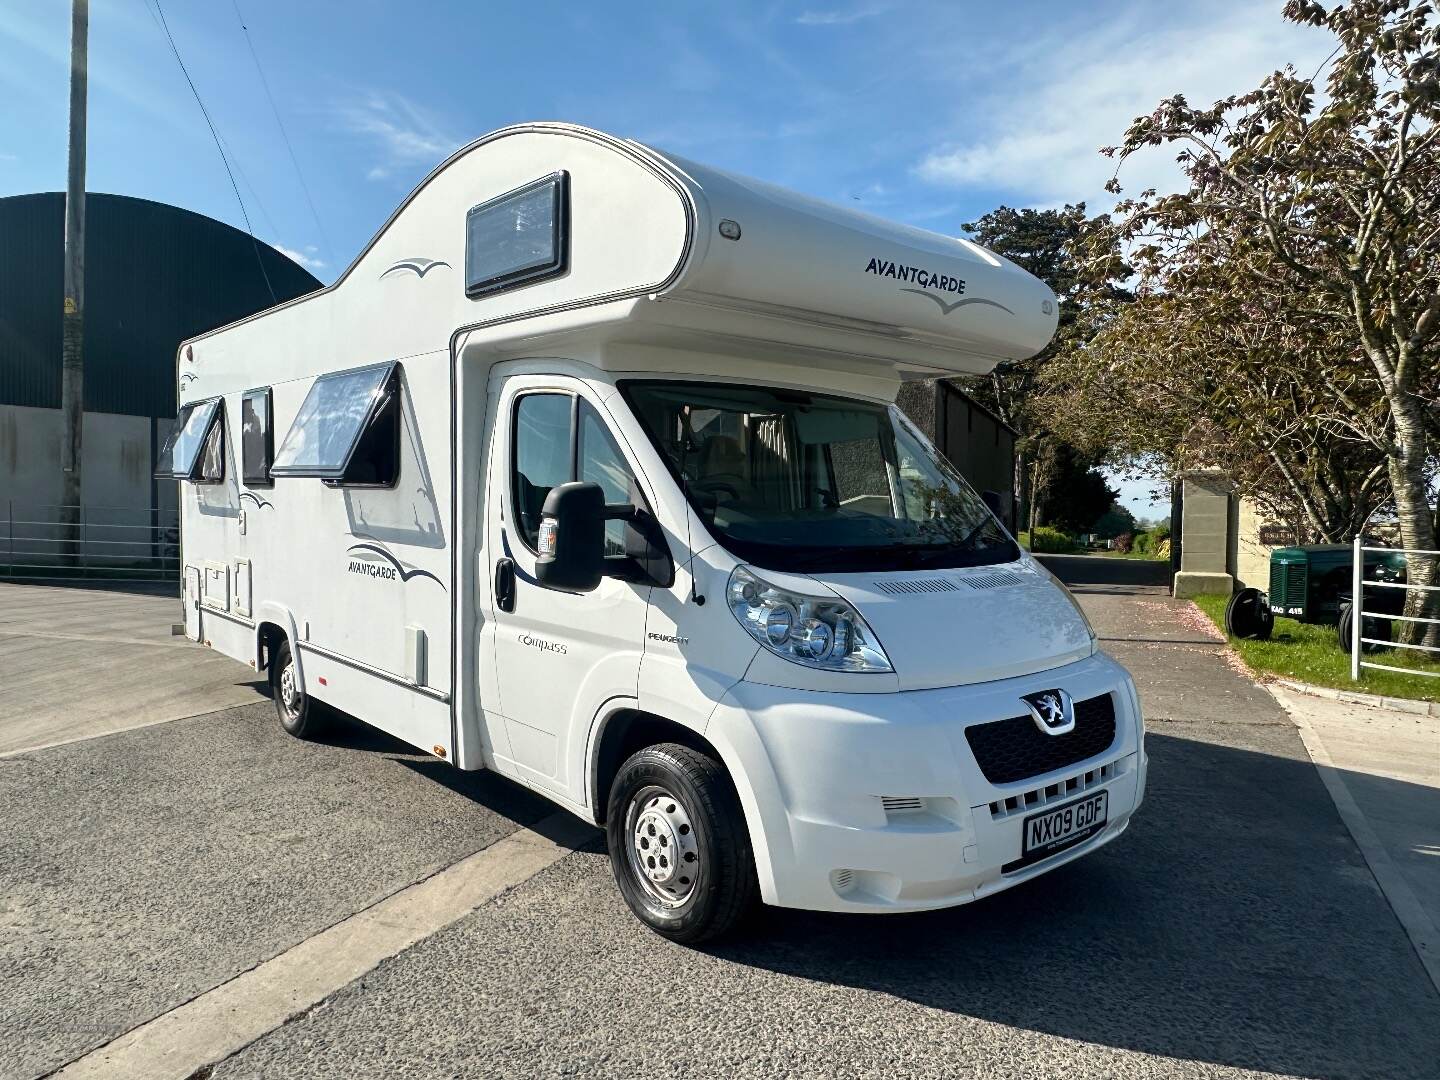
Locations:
(141, 869)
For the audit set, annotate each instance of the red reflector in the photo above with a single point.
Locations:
(322, 681)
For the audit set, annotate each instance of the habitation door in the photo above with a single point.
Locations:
(559, 656)
(191, 600)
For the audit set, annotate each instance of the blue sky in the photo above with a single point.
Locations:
(930, 113)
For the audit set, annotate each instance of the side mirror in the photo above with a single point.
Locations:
(572, 538)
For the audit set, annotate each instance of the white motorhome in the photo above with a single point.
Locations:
(588, 471)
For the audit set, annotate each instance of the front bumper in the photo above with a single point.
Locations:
(875, 802)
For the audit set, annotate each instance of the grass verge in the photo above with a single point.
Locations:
(1311, 654)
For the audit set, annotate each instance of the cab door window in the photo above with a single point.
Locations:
(560, 438)
(543, 456)
(599, 460)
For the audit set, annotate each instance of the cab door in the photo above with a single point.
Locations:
(559, 657)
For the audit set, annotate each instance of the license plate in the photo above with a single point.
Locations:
(1065, 826)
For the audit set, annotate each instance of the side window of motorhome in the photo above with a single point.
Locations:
(257, 437)
(195, 449)
(558, 439)
(347, 431)
(519, 237)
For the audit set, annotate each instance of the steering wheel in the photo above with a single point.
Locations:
(709, 487)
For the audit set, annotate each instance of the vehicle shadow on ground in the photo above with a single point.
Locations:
(485, 788)
(1234, 923)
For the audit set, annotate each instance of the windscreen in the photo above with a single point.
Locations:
(182, 448)
(330, 420)
(809, 482)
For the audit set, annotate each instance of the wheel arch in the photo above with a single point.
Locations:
(624, 731)
(274, 624)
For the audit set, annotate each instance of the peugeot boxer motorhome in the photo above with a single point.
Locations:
(588, 471)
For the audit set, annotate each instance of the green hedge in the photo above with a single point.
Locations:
(1048, 540)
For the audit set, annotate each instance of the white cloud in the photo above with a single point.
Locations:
(404, 134)
(305, 258)
(1058, 103)
(840, 16)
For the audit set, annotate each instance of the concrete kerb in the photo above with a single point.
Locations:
(1354, 697)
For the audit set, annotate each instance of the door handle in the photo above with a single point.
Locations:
(505, 584)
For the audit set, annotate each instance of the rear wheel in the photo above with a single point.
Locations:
(678, 844)
(1373, 628)
(1248, 615)
(299, 715)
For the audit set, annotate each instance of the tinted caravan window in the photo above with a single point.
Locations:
(518, 238)
(197, 429)
(257, 437)
(348, 417)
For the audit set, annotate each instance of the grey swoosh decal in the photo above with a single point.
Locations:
(260, 504)
(946, 309)
(405, 575)
(418, 267)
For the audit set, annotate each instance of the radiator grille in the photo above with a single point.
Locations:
(1015, 749)
(1058, 791)
(1287, 585)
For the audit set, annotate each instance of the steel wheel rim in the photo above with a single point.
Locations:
(661, 846)
(289, 691)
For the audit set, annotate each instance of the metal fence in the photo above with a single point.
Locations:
(1358, 640)
(110, 542)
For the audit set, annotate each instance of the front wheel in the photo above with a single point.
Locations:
(678, 844)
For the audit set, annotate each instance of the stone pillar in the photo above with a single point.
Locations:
(1208, 534)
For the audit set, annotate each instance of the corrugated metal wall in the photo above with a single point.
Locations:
(154, 275)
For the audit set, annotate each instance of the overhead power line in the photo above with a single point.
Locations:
(284, 135)
(225, 160)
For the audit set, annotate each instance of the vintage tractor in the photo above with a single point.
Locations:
(1313, 584)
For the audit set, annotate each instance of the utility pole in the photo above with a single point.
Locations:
(72, 363)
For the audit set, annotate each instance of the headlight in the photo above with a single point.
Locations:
(816, 631)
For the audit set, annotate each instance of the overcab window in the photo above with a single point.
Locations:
(195, 449)
(518, 238)
(347, 432)
(257, 437)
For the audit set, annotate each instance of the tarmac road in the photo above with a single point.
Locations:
(1233, 931)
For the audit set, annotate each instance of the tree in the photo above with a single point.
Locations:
(1115, 521)
(1332, 201)
(1075, 492)
(1056, 246)
(1194, 374)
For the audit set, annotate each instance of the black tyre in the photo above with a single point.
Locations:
(678, 844)
(1248, 615)
(1376, 629)
(299, 715)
